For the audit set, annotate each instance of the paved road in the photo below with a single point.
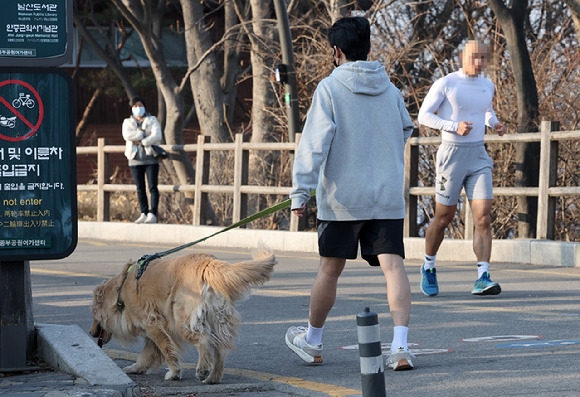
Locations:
(525, 341)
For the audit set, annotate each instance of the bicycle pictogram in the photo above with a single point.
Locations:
(23, 100)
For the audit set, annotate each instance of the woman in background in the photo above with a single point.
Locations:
(140, 131)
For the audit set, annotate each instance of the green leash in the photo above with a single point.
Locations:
(143, 262)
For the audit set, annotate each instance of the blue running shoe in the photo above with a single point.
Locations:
(484, 286)
(429, 282)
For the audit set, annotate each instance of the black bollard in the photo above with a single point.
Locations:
(371, 357)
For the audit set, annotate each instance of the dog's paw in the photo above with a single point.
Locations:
(202, 373)
(134, 369)
(173, 375)
(210, 377)
(212, 380)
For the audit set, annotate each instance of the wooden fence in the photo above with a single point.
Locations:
(546, 191)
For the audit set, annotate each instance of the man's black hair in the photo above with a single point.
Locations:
(353, 36)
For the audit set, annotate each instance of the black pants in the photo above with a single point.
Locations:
(152, 172)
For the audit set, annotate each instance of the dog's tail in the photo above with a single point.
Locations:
(234, 281)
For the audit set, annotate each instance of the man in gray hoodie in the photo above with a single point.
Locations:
(351, 152)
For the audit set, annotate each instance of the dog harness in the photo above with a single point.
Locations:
(142, 264)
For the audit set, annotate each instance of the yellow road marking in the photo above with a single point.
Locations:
(97, 243)
(331, 390)
(64, 273)
(78, 302)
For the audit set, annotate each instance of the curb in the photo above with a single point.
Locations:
(68, 349)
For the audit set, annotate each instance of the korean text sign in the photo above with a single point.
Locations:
(35, 32)
(38, 212)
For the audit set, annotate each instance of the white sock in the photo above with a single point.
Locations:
(399, 337)
(482, 267)
(429, 262)
(314, 335)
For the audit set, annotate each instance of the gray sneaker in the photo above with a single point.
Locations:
(400, 359)
(296, 341)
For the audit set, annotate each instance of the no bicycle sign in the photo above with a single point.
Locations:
(38, 217)
(27, 102)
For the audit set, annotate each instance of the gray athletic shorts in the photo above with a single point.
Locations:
(463, 165)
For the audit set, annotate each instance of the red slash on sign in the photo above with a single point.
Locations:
(33, 127)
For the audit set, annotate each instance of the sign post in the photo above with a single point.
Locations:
(38, 211)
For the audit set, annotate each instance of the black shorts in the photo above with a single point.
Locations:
(340, 239)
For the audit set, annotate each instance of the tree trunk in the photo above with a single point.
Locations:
(82, 125)
(263, 99)
(527, 154)
(232, 65)
(205, 81)
(574, 6)
(337, 9)
(262, 66)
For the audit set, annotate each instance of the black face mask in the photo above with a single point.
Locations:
(334, 62)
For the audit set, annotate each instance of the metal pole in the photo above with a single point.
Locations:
(371, 357)
(290, 90)
(13, 330)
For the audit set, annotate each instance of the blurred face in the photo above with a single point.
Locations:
(474, 59)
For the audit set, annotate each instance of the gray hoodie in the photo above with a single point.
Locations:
(352, 146)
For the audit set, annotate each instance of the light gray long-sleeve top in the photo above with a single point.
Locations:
(458, 97)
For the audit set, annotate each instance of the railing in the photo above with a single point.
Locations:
(240, 188)
(546, 191)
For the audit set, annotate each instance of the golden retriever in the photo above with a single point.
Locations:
(186, 299)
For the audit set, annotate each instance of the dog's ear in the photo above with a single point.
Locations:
(98, 295)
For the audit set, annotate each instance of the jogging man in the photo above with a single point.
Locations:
(351, 152)
(463, 103)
